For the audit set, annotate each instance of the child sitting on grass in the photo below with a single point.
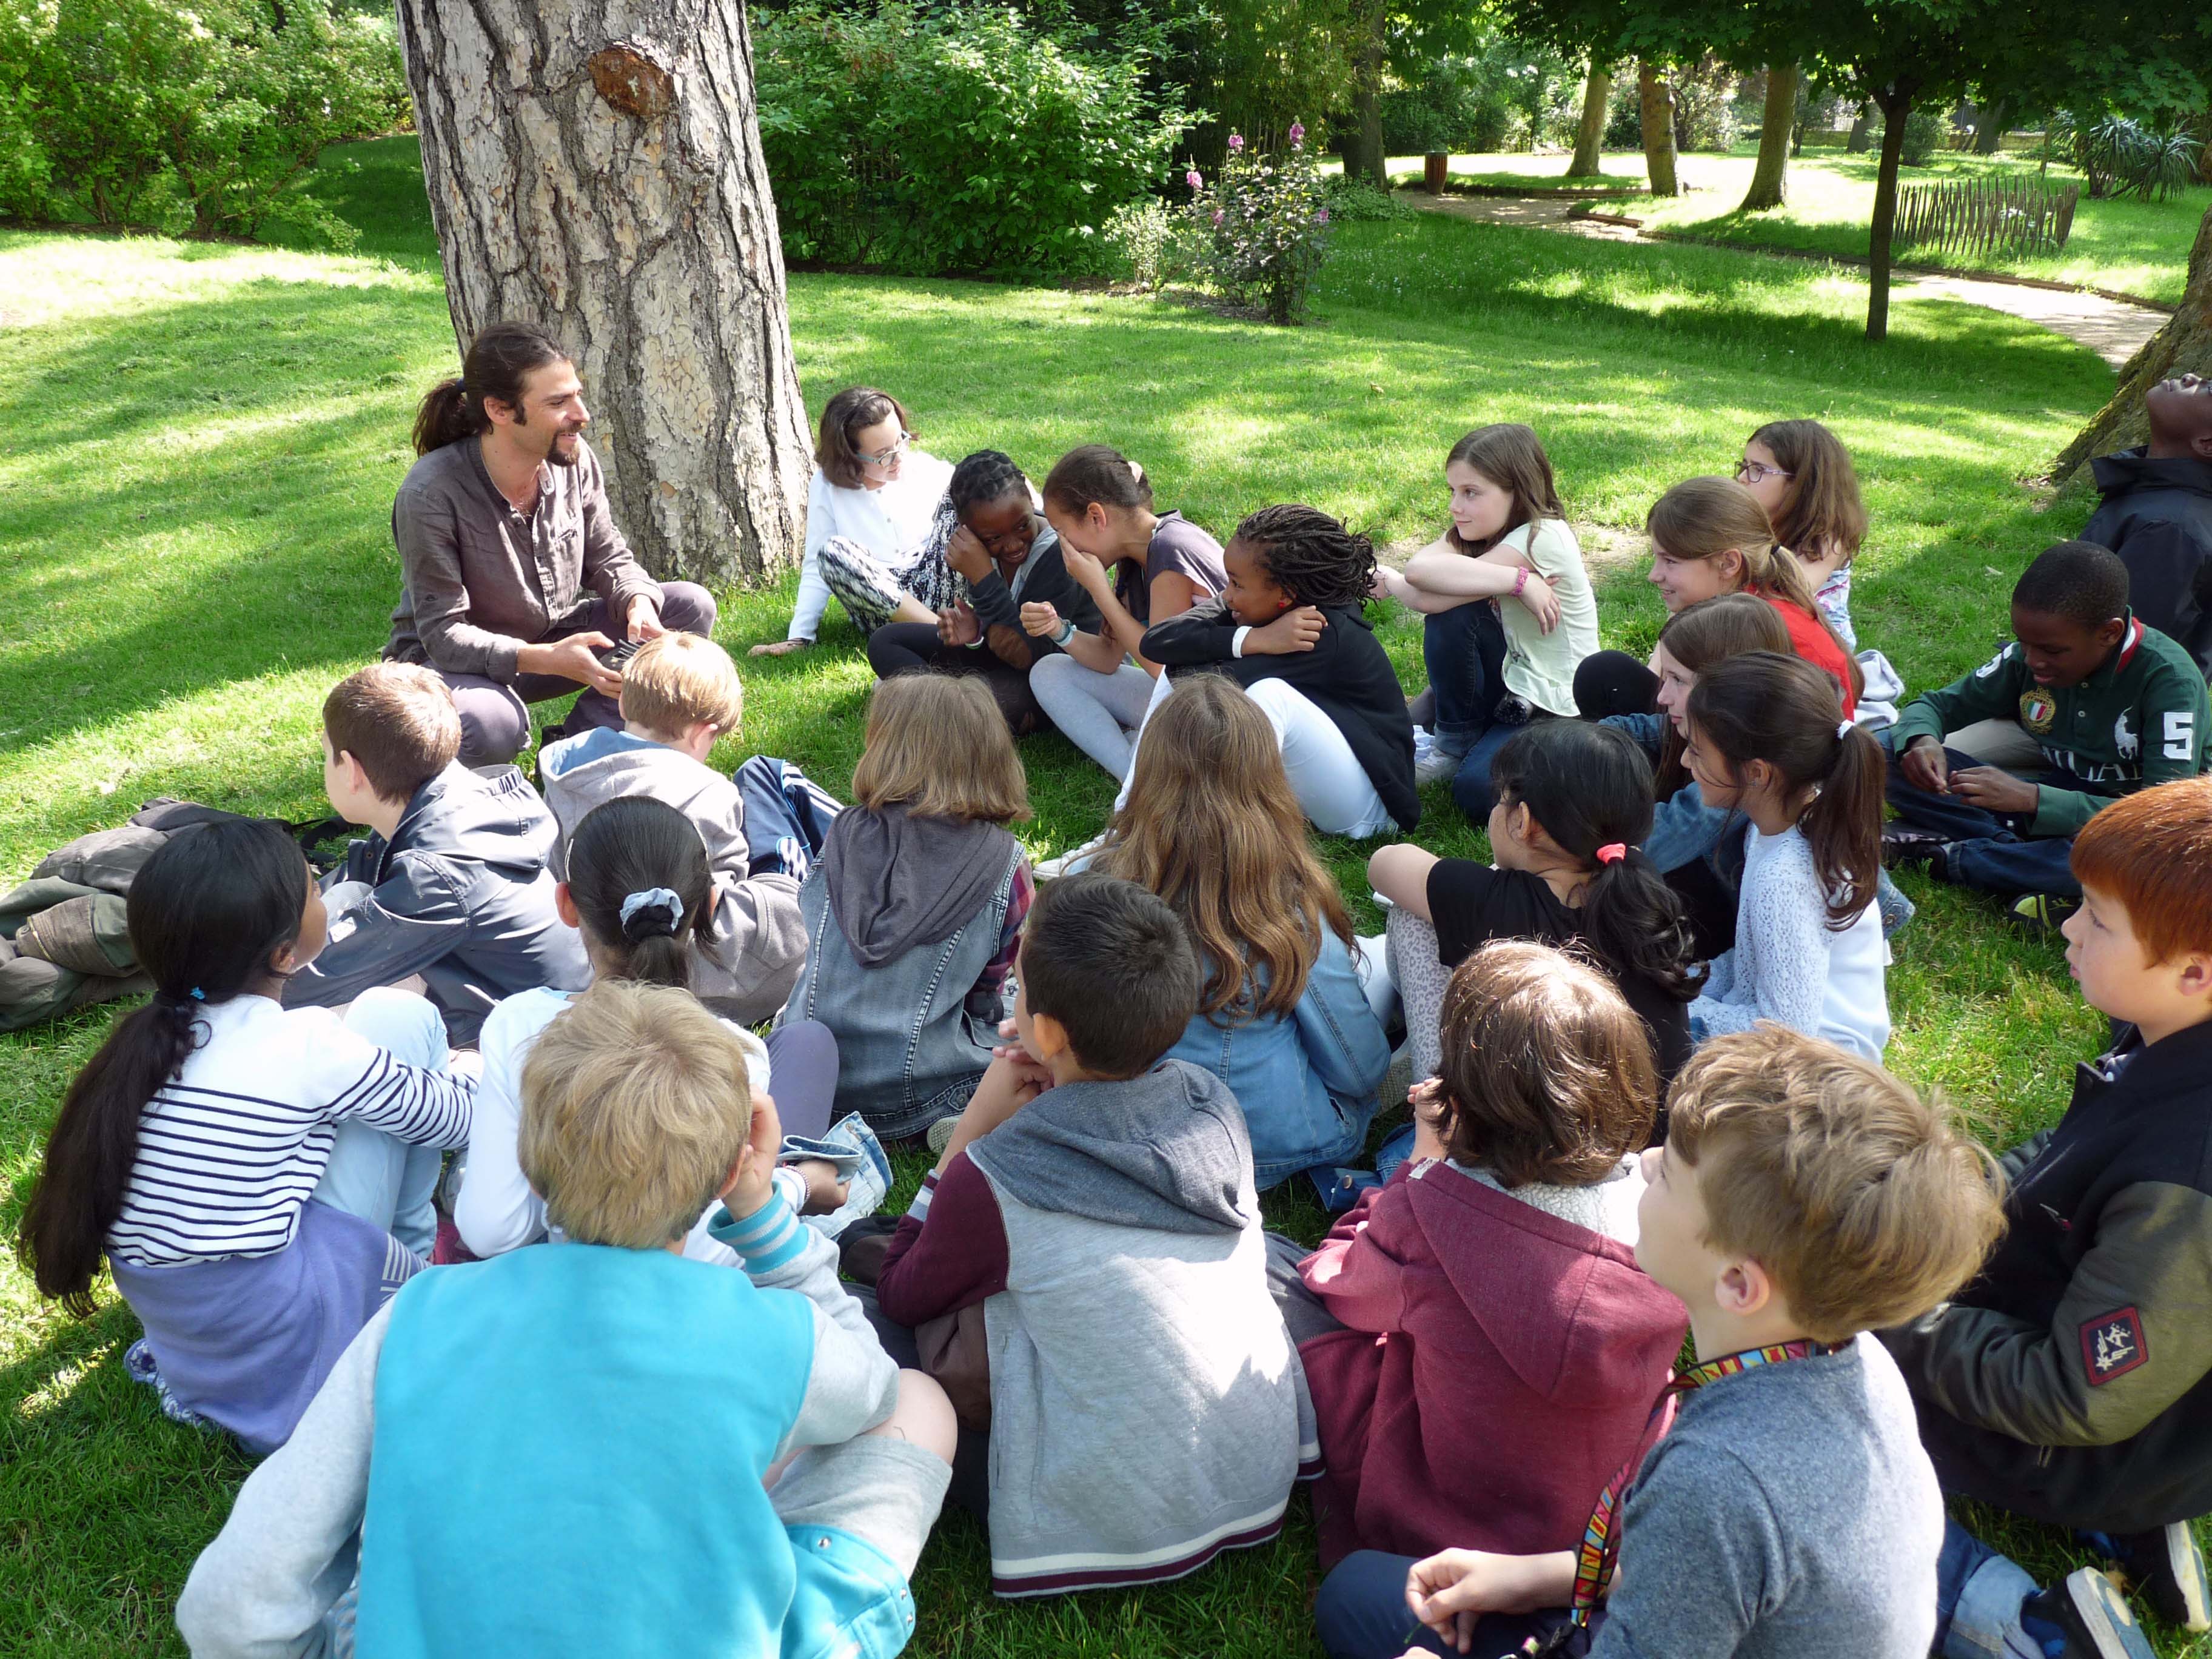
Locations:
(452, 882)
(242, 1166)
(1574, 806)
(1764, 739)
(2072, 1381)
(640, 892)
(1803, 1197)
(1098, 1200)
(1212, 828)
(603, 1448)
(679, 695)
(1508, 613)
(2114, 706)
(1487, 1303)
(1291, 629)
(914, 909)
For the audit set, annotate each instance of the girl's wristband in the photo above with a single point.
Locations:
(1520, 581)
(1067, 633)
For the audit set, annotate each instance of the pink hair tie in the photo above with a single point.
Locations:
(1612, 853)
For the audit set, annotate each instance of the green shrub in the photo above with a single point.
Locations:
(1350, 201)
(959, 139)
(1923, 135)
(1704, 106)
(1265, 224)
(1153, 242)
(201, 120)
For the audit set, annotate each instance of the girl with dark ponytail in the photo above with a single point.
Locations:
(1574, 805)
(642, 893)
(243, 1167)
(1767, 737)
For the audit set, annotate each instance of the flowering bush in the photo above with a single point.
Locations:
(1262, 226)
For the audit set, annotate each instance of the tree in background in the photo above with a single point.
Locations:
(612, 189)
(1590, 131)
(1777, 126)
(1655, 114)
(2183, 346)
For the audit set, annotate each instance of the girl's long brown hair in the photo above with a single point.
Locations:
(1822, 512)
(1212, 828)
(1512, 456)
(1698, 636)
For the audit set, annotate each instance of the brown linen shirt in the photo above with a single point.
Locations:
(481, 581)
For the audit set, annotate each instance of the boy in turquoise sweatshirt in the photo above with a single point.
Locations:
(599, 1447)
(2114, 706)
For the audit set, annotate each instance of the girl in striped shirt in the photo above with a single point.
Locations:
(244, 1166)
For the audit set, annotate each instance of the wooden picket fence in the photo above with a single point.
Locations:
(1976, 217)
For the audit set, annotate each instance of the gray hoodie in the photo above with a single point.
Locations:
(760, 940)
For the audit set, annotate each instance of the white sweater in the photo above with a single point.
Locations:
(1789, 966)
(888, 522)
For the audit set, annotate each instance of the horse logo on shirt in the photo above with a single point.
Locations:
(2112, 1346)
(2125, 740)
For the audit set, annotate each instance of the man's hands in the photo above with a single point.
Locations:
(1540, 601)
(1926, 766)
(958, 626)
(1995, 790)
(966, 554)
(757, 1163)
(573, 659)
(1040, 619)
(645, 618)
(1288, 634)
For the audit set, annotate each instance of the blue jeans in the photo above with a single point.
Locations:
(1471, 787)
(376, 1175)
(1978, 1597)
(1991, 851)
(1361, 1614)
(1464, 650)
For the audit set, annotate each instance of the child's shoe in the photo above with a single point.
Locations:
(2085, 1618)
(1433, 763)
(2041, 913)
(2166, 1568)
(1902, 844)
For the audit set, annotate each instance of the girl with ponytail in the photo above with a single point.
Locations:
(1767, 737)
(243, 1167)
(640, 891)
(1574, 806)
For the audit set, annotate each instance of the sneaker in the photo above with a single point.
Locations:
(1073, 859)
(2040, 913)
(2166, 1568)
(940, 1133)
(1901, 843)
(2085, 1618)
(1437, 766)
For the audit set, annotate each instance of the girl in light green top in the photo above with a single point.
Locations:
(1509, 613)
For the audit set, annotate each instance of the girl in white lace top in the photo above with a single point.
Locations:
(1767, 737)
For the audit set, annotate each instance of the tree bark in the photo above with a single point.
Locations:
(2183, 346)
(1655, 101)
(1989, 121)
(1896, 105)
(1860, 140)
(1363, 149)
(1770, 178)
(1590, 134)
(612, 189)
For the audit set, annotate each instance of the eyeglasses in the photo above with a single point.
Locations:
(1752, 473)
(885, 456)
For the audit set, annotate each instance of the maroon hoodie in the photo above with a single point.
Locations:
(1499, 1366)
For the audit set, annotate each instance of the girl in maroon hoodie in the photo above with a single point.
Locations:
(1496, 1350)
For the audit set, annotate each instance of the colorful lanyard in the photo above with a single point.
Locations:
(1601, 1547)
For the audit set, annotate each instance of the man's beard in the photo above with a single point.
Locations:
(557, 457)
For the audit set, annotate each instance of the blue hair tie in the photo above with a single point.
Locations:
(653, 898)
(197, 994)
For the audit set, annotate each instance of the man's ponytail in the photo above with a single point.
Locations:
(445, 416)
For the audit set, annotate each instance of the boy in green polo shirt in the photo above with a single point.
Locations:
(2114, 706)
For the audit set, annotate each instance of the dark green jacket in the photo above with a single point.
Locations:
(2142, 719)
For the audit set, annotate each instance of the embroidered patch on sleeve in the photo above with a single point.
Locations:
(2112, 1344)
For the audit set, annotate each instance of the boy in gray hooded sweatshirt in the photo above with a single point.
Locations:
(1147, 1409)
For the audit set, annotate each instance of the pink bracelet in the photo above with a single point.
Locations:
(1520, 581)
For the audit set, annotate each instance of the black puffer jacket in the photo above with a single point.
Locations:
(2157, 516)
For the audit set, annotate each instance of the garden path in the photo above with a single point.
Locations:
(2114, 329)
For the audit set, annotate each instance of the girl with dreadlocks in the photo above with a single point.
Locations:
(1289, 629)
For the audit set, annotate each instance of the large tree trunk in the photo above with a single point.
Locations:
(1861, 137)
(612, 189)
(1362, 148)
(1990, 120)
(1896, 105)
(1590, 134)
(1655, 107)
(1770, 178)
(2183, 346)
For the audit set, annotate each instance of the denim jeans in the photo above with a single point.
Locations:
(1471, 786)
(1991, 851)
(376, 1175)
(1978, 1597)
(1464, 650)
(1361, 1614)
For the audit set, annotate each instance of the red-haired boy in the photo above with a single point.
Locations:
(2072, 1381)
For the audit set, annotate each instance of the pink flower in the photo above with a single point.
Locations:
(1297, 133)
(1321, 218)
(1236, 140)
(1193, 180)
(1217, 215)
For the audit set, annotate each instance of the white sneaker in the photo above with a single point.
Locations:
(1073, 859)
(1437, 766)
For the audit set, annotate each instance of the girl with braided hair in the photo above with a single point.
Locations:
(244, 1166)
(1289, 629)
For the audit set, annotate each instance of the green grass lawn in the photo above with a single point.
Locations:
(2126, 248)
(203, 443)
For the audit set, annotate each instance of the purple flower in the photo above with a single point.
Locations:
(1193, 180)
(1321, 218)
(1236, 140)
(1297, 134)
(1217, 215)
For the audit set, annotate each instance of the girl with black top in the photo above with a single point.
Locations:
(1289, 628)
(1574, 802)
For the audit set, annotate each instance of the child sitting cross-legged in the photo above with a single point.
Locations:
(1096, 1199)
(600, 1447)
(2072, 1381)
(1803, 1198)
(679, 695)
(244, 1166)
(1482, 1348)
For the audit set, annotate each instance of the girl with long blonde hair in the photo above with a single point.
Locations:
(1210, 825)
